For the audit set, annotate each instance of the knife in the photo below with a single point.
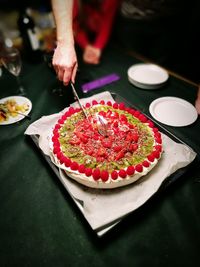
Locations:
(79, 102)
(101, 127)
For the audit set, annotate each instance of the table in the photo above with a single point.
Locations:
(39, 223)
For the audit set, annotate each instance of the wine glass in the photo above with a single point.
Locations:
(11, 60)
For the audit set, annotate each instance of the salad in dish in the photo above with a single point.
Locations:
(10, 108)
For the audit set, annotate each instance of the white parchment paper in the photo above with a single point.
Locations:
(104, 207)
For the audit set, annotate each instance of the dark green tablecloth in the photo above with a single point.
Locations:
(39, 223)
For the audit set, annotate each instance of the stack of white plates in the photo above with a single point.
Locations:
(147, 76)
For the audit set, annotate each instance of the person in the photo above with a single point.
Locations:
(92, 24)
(164, 32)
(64, 58)
(197, 101)
(88, 23)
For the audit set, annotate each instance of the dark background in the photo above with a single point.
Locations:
(182, 57)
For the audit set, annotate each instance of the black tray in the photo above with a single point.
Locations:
(167, 182)
(172, 178)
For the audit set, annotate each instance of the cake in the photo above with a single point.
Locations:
(130, 149)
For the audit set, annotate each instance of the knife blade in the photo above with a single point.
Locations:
(102, 129)
(78, 100)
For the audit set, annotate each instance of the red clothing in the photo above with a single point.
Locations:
(97, 22)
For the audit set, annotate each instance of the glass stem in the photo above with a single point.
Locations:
(21, 90)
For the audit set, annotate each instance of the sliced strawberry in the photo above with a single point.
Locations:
(122, 173)
(61, 157)
(156, 154)
(120, 155)
(132, 111)
(109, 114)
(61, 121)
(102, 113)
(87, 105)
(145, 163)
(131, 126)
(94, 102)
(71, 110)
(115, 115)
(139, 168)
(115, 124)
(57, 126)
(157, 134)
(115, 105)
(123, 118)
(130, 170)
(56, 150)
(74, 166)
(135, 137)
(136, 113)
(107, 143)
(74, 141)
(96, 174)
(104, 175)
(84, 139)
(158, 147)
(114, 175)
(96, 137)
(101, 152)
(56, 135)
(151, 158)
(117, 148)
(155, 129)
(81, 168)
(121, 106)
(129, 136)
(150, 123)
(54, 139)
(88, 172)
(158, 140)
(67, 162)
(56, 143)
(133, 147)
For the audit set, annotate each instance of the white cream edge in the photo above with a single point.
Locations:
(110, 183)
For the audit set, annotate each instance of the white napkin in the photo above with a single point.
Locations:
(103, 208)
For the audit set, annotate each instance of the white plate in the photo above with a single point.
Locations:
(20, 101)
(147, 76)
(173, 111)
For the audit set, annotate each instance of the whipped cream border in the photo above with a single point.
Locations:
(110, 183)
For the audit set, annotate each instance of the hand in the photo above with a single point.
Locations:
(91, 55)
(65, 62)
(197, 102)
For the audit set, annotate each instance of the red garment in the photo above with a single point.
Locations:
(97, 22)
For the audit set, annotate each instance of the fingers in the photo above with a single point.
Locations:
(67, 76)
(74, 73)
(65, 63)
(60, 73)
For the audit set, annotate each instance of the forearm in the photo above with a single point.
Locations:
(62, 10)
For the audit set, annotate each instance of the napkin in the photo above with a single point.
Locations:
(103, 208)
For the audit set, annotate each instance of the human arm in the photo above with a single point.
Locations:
(197, 102)
(64, 57)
